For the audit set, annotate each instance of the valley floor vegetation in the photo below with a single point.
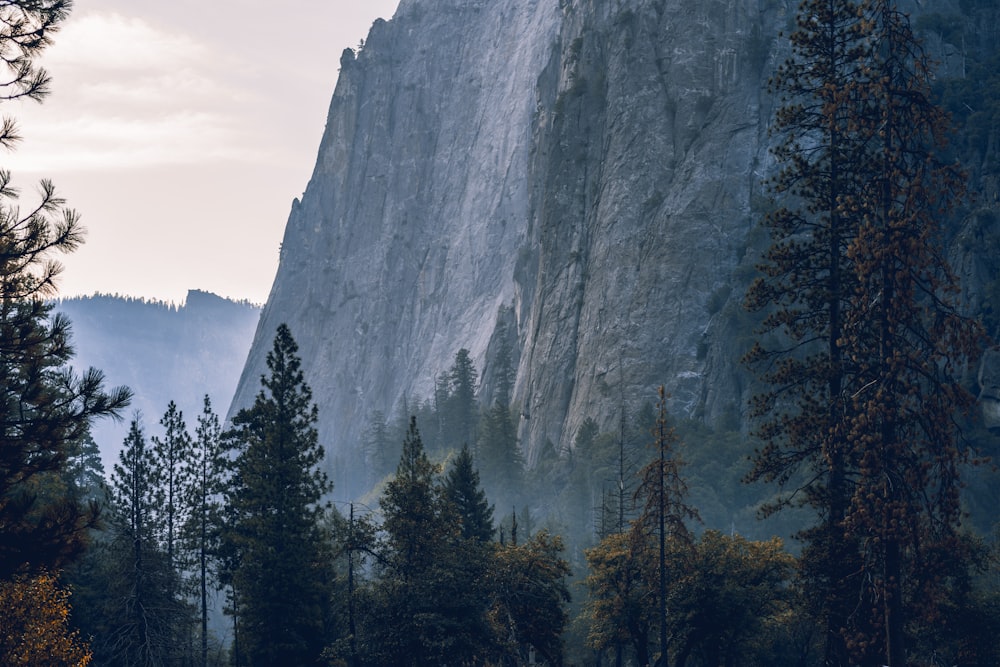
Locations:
(641, 546)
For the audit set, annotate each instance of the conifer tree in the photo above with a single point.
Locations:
(44, 407)
(463, 409)
(146, 614)
(662, 492)
(462, 489)
(499, 455)
(808, 283)
(428, 606)
(863, 340)
(201, 532)
(377, 445)
(172, 456)
(909, 339)
(276, 505)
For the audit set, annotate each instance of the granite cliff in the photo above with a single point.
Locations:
(584, 173)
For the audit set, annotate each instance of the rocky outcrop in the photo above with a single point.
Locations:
(584, 173)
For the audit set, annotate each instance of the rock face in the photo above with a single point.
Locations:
(591, 167)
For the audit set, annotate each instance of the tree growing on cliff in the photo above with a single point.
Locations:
(276, 509)
(863, 340)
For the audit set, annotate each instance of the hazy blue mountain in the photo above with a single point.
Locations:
(163, 352)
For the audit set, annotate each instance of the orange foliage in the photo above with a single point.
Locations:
(34, 624)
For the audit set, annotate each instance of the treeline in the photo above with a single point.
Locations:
(427, 574)
(424, 578)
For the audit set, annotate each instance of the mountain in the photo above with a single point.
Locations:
(584, 174)
(163, 352)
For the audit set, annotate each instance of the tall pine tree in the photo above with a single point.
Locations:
(44, 407)
(863, 340)
(201, 532)
(276, 511)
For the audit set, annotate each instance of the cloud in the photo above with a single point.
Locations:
(115, 42)
(114, 142)
(127, 94)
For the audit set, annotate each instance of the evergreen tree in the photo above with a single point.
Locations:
(461, 488)
(84, 472)
(44, 407)
(145, 615)
(463, 410)
(428, 605)
(377, 445)
(864, 340)
(910, 342)
(499, 455)
(662, 492)
(506, 373)
(808, 283)
(201, 532)
(172, 456)
(275, 496)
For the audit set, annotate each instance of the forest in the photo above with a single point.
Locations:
(852, 521)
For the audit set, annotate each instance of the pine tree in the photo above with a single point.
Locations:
(276, 505)
(44, 407)
(463, 410)
(500, 458)
(662, 492)
(378, 448)
(201, 532)
(909, 339)
(863, 338)
(146, 613)
(172, 456)
(506, 374)
(429, 606)
(462, 489)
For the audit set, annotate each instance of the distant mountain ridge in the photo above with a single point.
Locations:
(163, 352)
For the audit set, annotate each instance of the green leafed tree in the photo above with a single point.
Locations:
(529, 598)
(274, 523)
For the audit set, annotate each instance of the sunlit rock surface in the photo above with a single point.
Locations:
(594, 165)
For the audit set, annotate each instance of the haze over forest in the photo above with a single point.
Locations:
(653, 334)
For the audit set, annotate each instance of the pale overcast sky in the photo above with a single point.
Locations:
(181, 131)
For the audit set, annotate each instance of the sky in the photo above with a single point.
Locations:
(181, 132)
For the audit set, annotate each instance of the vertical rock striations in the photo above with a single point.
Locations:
(586, 173)
(402, 248)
